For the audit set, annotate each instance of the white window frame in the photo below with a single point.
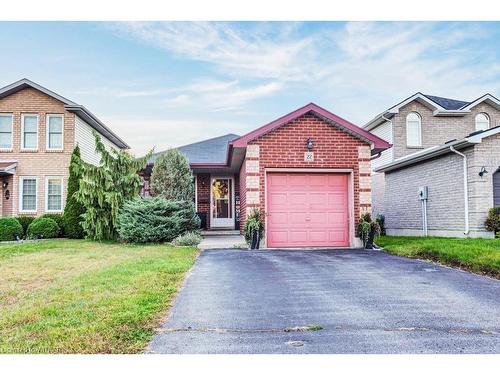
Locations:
(21, 179)
(487, 118)
(37, 130)
(11, 130)
(47, 178)
(47, 133)
(408, 141)
(196, 192)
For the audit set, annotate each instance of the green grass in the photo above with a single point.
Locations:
(475, 255)
(72, 296)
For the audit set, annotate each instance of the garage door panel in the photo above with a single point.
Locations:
(309, 209)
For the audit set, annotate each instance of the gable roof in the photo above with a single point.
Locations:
(69, 105)
(440, 106)
(377, 143)
(209, 151)
(432, 152)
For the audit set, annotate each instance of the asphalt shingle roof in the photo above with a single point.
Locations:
(213, 150)
(446, 103)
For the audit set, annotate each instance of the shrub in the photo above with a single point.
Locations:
(58, 218)
(187, 239)
(381, 223)
(155, 220)
(25, 223)
(43, 227)
(254, 222)
(492, 222)
(172, 178)
(367, 228)
(10, 228)
(73, 210)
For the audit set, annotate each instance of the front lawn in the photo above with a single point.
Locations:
(476, 255)
(76, 296)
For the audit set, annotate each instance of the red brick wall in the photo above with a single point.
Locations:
(203, 192)
(243, 197)
(333, 148)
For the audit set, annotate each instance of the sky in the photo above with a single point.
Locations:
(166, 84)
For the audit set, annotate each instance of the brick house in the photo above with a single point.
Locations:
(450, 146)
(308, 171)
(38, 132)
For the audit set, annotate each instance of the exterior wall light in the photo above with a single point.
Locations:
(5, 184)
(309, 144)
(482, 172)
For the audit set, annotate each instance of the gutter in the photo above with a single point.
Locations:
(466, 190)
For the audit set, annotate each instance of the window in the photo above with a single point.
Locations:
(28, 201)
(5, 131)
(413, 130)
(53, 194)
(482, 121)
(29, 136)
(54, 132)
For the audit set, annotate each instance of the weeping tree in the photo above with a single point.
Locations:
(172, 177)
(104, 188)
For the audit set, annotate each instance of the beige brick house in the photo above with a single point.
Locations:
(38, 132)
(450, 146)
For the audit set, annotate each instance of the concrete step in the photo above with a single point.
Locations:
(224, 232)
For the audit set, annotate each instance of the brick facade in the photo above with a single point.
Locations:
(203, 195)
(284, 147)
(41, 163)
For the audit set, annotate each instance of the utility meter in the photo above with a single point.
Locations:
(423, 193)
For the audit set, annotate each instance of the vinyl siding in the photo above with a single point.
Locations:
(383, 131)
(85, 139)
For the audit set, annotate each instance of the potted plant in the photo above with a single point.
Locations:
(254, 229)
(368, 229)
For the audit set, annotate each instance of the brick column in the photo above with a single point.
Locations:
(365, 192)
(252, 185)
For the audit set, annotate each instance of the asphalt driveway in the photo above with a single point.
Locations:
(240, 301)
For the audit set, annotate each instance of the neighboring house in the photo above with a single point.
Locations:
(428, 134)
(309, 171)
(38, 132)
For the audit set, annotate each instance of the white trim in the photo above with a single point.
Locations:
(195, 192)
(47, 132)
(488, 120)
(395, 109)
(11, 115)
(37, 130)
(350, 195)
(487, 97)
(20, 206)
(47, 178)
(232, 218)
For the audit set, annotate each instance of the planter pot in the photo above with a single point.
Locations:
(255, 239)
(369, 242)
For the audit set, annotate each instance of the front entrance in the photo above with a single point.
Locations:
(222, 202)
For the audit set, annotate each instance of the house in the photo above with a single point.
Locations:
(38, 132)
(448, 147)
(309, 171)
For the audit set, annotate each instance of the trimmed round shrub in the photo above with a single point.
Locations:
(58, 218)
(43, 227)
(187, 239)
(492, 222)
(10, 228)
(155, 220)
(25, 223)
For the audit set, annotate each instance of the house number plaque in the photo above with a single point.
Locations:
(308, 156)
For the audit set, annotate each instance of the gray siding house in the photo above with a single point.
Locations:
(434, 141)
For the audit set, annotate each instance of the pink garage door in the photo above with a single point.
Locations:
(307, 210)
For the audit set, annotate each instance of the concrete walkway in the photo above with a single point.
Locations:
(222, 241)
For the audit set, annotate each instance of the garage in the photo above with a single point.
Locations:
(307, 209)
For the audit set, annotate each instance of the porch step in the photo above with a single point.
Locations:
(222, 232)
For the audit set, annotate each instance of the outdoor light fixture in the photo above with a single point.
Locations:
(5, 184)
(482, 172)
(309, 144)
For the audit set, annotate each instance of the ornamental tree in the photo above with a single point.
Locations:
(172, 178)
(73, 210)
(104, 188)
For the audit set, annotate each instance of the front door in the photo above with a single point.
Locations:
(221, 206)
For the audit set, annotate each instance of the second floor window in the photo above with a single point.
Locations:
(482, 121)
(54, 132)
(29, 136)
(5, 131)
(413, 130)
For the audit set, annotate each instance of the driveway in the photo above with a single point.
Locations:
(240, 301)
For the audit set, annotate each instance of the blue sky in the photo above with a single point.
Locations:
(167, 84)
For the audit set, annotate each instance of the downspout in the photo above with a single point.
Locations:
(466, 190)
